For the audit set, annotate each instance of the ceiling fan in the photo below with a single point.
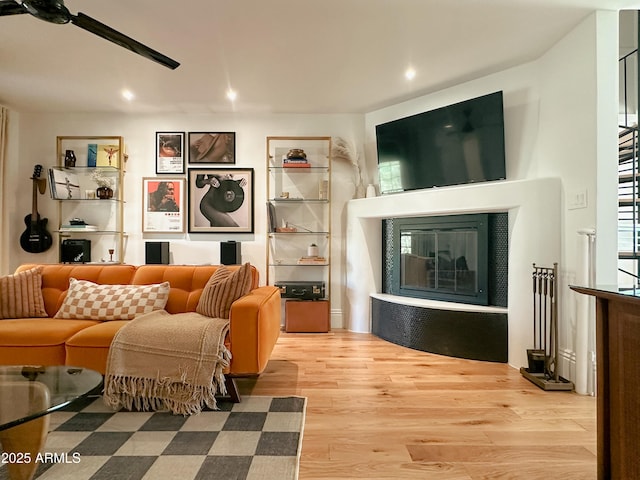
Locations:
(54, 11)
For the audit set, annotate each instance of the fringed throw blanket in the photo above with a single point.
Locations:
(161, 361)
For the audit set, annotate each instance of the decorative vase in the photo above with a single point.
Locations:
(312, 250)
(360, 191)
(371, 190)
(104, 193)
(69, 159)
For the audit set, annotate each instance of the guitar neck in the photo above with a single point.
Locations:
(34, 201)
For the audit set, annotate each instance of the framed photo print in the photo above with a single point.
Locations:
(163, 205)
(220, 200)
(170, 152)
(212, 147)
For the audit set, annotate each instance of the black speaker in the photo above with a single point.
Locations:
(75, 251)
(156, 253)
(230, 253)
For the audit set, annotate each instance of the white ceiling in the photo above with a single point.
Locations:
(281, 56)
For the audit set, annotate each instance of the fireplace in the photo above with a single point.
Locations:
(454, 268)
(454, 258)
(532, 213)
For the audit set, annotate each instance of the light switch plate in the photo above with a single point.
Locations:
(577, 199)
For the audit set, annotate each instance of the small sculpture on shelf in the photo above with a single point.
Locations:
(104, 190)
(69, 159)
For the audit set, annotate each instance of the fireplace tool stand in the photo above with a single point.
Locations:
(543, 358)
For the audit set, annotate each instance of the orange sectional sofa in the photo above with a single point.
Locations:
(253, 332)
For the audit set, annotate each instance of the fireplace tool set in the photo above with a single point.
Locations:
(543, 358)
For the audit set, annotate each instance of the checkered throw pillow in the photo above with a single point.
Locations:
(89, 301)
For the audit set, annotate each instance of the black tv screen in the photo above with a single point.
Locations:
(460, 143)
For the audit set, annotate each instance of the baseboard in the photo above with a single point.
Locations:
(337, 319)
(567, 363)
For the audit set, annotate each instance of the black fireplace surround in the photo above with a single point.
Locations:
(455, 258)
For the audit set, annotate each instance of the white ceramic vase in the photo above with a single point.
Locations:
(371, 190)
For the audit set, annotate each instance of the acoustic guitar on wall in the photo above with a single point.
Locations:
(36, 239)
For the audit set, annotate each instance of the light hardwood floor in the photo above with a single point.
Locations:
(380, 411)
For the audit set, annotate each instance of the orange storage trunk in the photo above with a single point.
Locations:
(307, 316)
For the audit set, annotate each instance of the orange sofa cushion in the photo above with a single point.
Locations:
(55, 279)
(187, 282)
(37, 341)
(89, 348)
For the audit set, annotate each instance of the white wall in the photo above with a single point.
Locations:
(560, 122)
(37, 144)
(9, 205)
(579, 144)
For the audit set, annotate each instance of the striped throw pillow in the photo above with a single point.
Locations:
(21, 295)
(223, 288)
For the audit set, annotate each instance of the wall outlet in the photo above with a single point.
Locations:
(577, 199)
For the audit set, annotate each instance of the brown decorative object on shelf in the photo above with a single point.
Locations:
(104, 193)
(312, 261)
(296, 153)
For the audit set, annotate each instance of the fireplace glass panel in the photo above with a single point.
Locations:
(454, 258)
(439, 260)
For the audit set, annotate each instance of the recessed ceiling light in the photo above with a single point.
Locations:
(409, 73)
(128, 94)
(231, 94)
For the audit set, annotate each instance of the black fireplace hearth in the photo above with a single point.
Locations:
(474, 334)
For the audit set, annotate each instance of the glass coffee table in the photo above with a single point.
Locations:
(27, 395)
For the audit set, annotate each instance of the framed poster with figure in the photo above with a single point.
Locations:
(220, 200)
(212, 147)
(163, 207)
(170, 152)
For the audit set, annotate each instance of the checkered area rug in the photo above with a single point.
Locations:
(259, 438)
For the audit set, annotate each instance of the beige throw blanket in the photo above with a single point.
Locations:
(161, 361)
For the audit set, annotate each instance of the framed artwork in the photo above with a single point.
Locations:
(170, 152)
(220, 200)
(107, 156)
(163, 205)
(212, 147)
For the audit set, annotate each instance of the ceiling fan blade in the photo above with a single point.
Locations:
(9, 7)
(108, 33)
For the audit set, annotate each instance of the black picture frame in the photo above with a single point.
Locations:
(212, 147)
(170, 153)
(221, 200)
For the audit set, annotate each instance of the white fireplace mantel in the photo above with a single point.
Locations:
(534, 208)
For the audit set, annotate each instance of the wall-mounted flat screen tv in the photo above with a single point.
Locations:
(457, 144)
